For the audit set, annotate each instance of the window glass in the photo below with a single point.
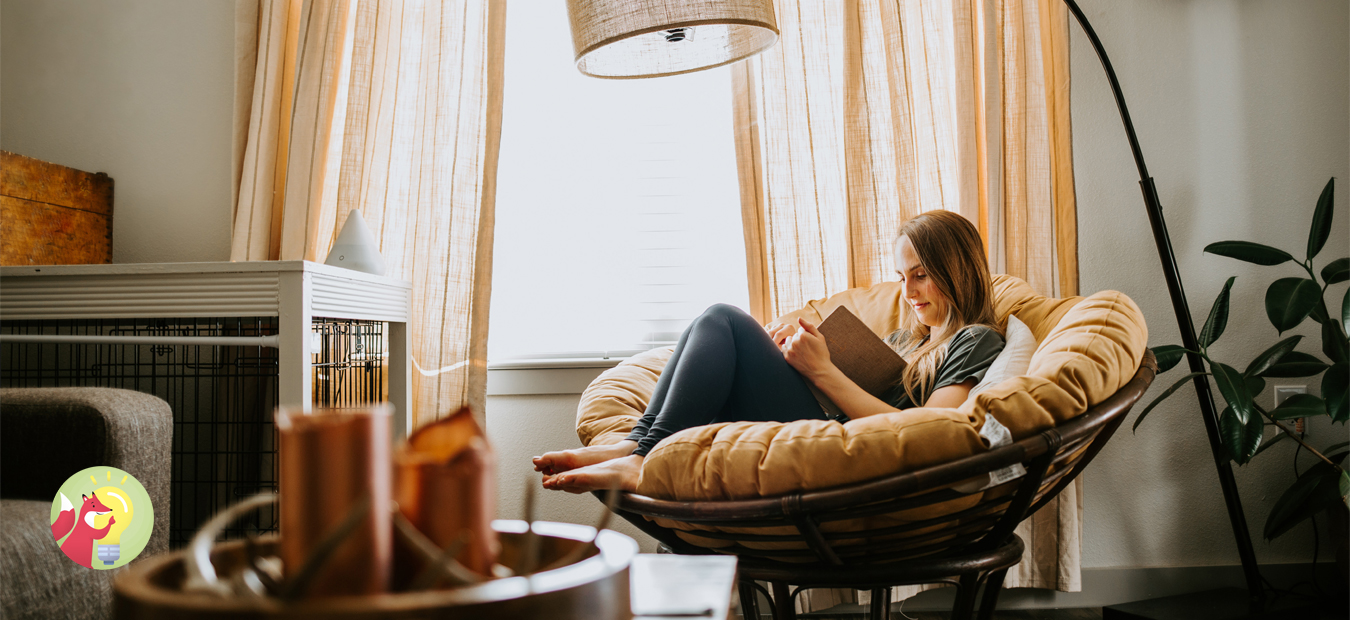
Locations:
(618, 209)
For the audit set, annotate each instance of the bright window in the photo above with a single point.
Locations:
(618, 209)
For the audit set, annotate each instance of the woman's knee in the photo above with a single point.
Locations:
(727, 317)
(723, 312)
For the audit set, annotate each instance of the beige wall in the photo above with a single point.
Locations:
(523, 426)
(1242, 110)
(140, 89)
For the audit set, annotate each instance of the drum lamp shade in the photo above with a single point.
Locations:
(624, 39)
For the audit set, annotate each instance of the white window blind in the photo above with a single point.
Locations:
(618, 210)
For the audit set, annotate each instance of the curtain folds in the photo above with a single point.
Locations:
(869, 112)
(392, 108)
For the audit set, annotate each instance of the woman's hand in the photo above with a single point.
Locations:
(805, 351)
(780, 332)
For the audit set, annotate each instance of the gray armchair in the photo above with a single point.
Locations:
(46, 435)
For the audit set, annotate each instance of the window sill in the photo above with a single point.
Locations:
(521, 377)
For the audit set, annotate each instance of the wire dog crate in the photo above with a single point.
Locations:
(223, 397)
(223, 344)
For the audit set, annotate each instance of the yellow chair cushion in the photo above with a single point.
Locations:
(1087, 349)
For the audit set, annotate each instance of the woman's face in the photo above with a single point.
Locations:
(921, 293)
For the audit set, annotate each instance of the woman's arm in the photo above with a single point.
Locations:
(806, 351)
(854, 401)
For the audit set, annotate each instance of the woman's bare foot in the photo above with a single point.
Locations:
(621, 473)
(565, 460)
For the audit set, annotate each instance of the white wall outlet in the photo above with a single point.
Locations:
(1285, 391)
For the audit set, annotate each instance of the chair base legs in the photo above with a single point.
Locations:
(880, 608)
(749, 600)
(967, 593)
(783, 609)
(991, 590)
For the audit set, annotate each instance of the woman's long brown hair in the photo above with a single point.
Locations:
(952, 254)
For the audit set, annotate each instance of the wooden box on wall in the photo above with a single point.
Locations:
(53, 215)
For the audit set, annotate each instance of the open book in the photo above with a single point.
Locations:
(860, 354)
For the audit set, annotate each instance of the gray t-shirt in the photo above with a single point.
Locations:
(969, 355)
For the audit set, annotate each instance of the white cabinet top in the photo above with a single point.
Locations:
(217, 289)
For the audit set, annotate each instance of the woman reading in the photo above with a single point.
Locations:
(727, 368)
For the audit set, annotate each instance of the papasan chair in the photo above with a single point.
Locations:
(911, 497)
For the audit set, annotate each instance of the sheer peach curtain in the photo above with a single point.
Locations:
(869, 112)
(393, 108)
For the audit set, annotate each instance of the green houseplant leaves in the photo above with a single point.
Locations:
(1296, 364)
(1240, 438)
(1315, 490)
(1299, 406)
(1168, 356)
(1345, 311)
(1289, 301)
(1249, 252)
(1336, 271)
(1321, 224)
(1334, 344)
(1234, 390)
(1334, 390)
(1218, 316)
(1269, 358)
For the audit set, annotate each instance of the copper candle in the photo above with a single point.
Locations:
(445, 487)
(330, 461)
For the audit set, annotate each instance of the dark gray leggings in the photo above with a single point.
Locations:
(725, 369)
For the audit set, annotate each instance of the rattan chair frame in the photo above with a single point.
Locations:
(976, 550)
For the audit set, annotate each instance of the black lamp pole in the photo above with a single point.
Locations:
(1169, 263)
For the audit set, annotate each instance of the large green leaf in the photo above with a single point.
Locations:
(1299, 406)
(1175, 386)
(1334, 390)
(1240, 438)
(1321, 224)
(1289, 300)
(1314, 491)
(1218, 317)
(1335, 446)
(1249, 252)
(1168, 356)
(1334, 344)
(1234, 391)
(1345, 311)
(1336, 271)
(1296, 364)
(1271, 356)
(1255, 385)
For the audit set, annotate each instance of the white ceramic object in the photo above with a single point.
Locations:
(355, 247)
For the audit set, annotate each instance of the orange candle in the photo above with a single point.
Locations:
(445, 487)
(331, 460)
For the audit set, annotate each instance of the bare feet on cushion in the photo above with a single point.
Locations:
(621, 473)
(565, 460)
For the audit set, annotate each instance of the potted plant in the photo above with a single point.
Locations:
(1289, 302)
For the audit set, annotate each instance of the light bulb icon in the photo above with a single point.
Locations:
(110, 546)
